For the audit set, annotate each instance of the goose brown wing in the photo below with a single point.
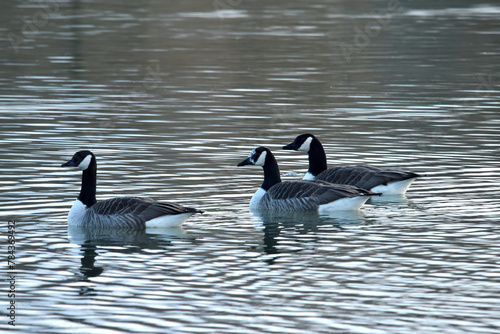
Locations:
(365, 177)
(306, 195)
(131, 212)
(122, 206)
(166, 208)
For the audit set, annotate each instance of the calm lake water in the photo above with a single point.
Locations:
(170, 96)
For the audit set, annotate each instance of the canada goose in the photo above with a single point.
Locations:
(385, 181)
(299, 195)
(119, 212)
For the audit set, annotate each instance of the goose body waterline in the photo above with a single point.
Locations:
(119, 212)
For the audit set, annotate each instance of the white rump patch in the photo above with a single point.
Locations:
(254, 202)
(394, 188)
(85, 162)
(76, 213)
(348, 203)
(169, 220)
(306, 146)
(309, 176)
(262, 159)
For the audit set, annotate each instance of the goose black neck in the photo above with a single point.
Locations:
(317, 158)
(271, 172)
(89, 183)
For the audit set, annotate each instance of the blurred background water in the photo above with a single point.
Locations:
(170, 96)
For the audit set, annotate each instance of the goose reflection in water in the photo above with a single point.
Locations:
(389, 200)
(88, 269)
(146, 238)
(122, 240)
(274, 223)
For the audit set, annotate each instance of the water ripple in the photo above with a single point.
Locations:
(171, 99)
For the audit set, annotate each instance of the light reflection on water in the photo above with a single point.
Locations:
(170, 99)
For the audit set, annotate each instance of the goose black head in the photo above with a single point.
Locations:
(301, 143)
(80, 159)
(257, 157)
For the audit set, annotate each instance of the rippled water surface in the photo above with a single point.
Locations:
(171, 96)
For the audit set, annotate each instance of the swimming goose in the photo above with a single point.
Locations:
(301, 195)
(385, 181)
(119, 212)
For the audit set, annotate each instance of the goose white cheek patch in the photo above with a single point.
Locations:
(85, 162)
(262, 159)
(306, 145)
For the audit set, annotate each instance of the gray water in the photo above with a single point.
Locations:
(170, 96)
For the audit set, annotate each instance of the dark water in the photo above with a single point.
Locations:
(171, 96)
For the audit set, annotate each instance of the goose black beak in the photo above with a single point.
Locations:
(291, 146)
(245, 162)
(70, 163)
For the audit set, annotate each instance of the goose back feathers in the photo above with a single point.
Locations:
(369, 177)
(311, 196)
(135, 212)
